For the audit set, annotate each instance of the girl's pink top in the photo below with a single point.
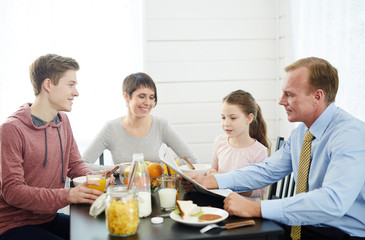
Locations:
(227, 158)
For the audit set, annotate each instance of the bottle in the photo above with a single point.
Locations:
(121, 213)
(141, 182)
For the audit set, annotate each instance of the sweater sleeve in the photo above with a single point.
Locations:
(96, 148)
(178, 144)
(76, 166)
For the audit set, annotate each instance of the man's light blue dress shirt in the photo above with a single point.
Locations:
(336, 180)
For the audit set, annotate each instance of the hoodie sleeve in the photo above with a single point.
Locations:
(76, 166)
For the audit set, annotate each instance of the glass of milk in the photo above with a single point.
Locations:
(167, 192)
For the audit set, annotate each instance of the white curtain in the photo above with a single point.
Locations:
(105, 37)
(335, 30)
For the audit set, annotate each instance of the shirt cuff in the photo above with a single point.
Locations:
(223, 180)
(272, 209)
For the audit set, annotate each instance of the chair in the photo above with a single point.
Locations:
(279, 142)
(284, 187)
(101, 159)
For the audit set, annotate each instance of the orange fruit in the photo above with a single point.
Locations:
(155, 170)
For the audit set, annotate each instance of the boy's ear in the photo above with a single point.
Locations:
(46, 85)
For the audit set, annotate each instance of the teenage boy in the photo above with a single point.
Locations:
(37, 153)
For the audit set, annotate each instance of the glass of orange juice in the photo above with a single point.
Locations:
(99, 177)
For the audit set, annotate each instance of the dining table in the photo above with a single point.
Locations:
(84, 226)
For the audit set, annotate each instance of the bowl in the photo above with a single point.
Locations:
(199, 168)
(77, 181)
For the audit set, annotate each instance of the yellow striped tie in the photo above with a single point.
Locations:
(302, 179)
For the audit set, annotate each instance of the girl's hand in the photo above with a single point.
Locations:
(207, 181)
(212, 172)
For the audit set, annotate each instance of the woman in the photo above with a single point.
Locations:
(138, 131)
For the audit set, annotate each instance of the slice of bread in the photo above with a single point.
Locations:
(187, 208)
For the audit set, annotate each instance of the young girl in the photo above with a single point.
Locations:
(245, 141)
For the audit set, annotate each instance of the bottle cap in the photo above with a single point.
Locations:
(157, 220)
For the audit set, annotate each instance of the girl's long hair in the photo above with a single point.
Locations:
(258, 128)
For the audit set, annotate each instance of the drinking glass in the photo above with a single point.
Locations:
(167, 191)
(99, 177)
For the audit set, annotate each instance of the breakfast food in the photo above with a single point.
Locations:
(128, 168)
(187, 208)
(122, 217)
(209, 217)
(155, 170)
(177, 161)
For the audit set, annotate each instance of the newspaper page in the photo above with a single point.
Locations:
(167, 159)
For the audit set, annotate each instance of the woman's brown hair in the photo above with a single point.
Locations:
(136, 80)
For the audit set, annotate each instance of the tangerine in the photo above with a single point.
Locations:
(155, 170)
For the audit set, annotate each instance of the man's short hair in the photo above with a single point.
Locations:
(322, 75)
(50, 66)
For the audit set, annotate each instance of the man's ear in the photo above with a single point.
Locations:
(319, 94)
(46, 85)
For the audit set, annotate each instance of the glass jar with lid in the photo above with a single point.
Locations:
(121, 213)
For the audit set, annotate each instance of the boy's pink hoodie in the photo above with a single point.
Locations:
(34, 162)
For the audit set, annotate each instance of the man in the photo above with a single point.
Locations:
(332, 204)
(37, 152)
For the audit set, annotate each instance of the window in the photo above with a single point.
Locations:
(105, 37)
(335, 30)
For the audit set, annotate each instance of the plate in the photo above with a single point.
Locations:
(199, 168)
(79, 180)
(193, 221)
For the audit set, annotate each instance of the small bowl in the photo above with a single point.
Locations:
(199, 168)
(77, 181)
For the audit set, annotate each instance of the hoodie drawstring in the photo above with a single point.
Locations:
(59, 135)
(46, 159)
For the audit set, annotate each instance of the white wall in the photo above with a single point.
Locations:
(198, 51)
(285, 57)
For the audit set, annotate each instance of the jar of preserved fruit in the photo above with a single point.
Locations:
(121, 213)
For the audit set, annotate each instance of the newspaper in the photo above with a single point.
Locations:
(166, 158)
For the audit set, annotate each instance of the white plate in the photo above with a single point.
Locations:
(193, 221)
(199, 168)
